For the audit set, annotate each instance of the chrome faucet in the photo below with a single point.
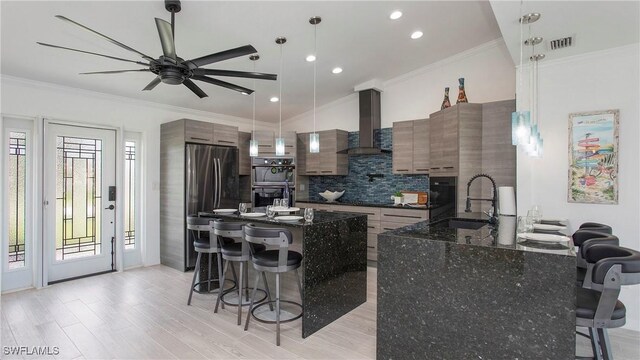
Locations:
(492, 213)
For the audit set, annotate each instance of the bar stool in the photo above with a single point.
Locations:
(203, 246)
(584, 239)
(273, 261)
(598, 308)
(594, 226)
(239, 252)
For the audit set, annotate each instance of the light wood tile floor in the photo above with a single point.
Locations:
(142, 314)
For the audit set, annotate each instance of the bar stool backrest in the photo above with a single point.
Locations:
(231, 230)
(196, 223)
(585, 238)
(614, 266)
(597, 227)
(279, 237)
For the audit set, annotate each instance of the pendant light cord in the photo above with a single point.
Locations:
(253, 131)
(280, 99)
(315, 53)
(519, 98)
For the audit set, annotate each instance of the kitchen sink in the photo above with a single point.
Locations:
(461, 223)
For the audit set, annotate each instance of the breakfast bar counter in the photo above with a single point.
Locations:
(334, 269)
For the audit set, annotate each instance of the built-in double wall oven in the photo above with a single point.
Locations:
(270, 178)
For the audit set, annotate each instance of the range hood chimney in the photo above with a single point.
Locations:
(369, 124)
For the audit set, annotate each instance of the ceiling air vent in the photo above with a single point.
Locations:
(561, 43)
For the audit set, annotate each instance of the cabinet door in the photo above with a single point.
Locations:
(450, 143)
(402, 147)
(266, 141)
(301, 153)
(244, 160)
(198, 132)
(225, 135)
(420, 147)
(328, 164)
(436, 130)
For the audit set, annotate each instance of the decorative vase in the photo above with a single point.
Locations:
(445, 103)
(462, 96)
(397, 200)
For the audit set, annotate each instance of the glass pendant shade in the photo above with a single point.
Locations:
(253, 148)
(520, 127)
(314, 143)
(280, 147)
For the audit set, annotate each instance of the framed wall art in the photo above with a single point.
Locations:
(593, 157)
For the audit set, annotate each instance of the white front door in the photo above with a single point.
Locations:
(79, 169)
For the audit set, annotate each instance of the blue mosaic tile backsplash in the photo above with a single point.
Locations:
(357, 186)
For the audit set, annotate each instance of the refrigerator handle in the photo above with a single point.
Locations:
(219, 181)
(215, 179)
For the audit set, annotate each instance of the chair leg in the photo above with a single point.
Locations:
(235, 276)
(196, 270)
(595, 344)
(253, 297)
(220, 293)
(220, 271)
(246, 281)
(299, 283)
(605, 344)
(277, 309)
(266, 288)
(209, 272)
(241, 278)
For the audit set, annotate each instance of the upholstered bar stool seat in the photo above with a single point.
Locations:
(594, 226)
(584, 239)
(269, 258)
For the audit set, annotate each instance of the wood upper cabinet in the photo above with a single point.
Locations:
(244, 159)
(301, 159)
(267, 142)
(402, 147)
(411, 147)
(330, 160)
(203, 132)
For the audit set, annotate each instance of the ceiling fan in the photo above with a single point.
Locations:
(169, 67)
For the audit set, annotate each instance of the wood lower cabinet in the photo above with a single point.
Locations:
(378, 220)
(330, 160)
(244, 158)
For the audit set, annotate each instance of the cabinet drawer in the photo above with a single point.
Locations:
(372, 247)
(403, 216)
(386, 226)
(225, 135)
(373, 227)
(373, 214)
(199, 132)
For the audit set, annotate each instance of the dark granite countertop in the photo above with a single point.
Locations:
(365, 204)
(319, 217)
(501, 235)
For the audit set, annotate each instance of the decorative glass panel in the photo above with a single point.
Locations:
(78, 197)
(17, 197)
(129, 195)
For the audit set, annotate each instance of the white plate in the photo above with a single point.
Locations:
(224, 211)
(543, 237)
(253, 214)
(559, 221)
(549, 227)
(281, 209)
(289, 218)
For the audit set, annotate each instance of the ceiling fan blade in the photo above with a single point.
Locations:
(92, 53)
(166, 39)
(220, 56)
(152, 84)
(106, 37)
(232, 73)
(112, 71)
(225, 84)
(193, 87)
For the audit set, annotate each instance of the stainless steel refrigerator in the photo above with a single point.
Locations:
(211, 182)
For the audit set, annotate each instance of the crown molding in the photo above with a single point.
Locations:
(447, 61)
(122, 99)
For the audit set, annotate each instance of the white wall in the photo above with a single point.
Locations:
(31, 98)
(596, 81)
(488, 73)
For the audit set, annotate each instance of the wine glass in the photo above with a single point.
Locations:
(242, 208)
(534, 215)
(277, 203)
(525, 224)
(285, 203)
(271, 212)
(308, 214)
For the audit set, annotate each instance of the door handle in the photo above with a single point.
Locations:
(111, 207)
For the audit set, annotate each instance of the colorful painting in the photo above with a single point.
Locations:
(593, 157)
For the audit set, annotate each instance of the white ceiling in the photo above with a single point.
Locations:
(596, 25)
(358, 36)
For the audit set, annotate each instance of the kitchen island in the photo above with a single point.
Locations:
(334, 269)
(464, 289)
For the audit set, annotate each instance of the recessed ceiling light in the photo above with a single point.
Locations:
(416, 35)
(337, 70)
(274, 99)
(311, 58)
(395, 15)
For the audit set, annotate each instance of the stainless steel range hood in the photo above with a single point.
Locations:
(369, 123)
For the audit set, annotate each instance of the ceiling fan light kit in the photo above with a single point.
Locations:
(171, 69)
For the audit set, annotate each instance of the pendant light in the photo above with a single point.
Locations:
(521, 119)
(253, 144)
(534, 145)
(280, 146)
(314, 137)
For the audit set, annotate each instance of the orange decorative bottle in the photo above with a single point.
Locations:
(462, 96)
(445, 103)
